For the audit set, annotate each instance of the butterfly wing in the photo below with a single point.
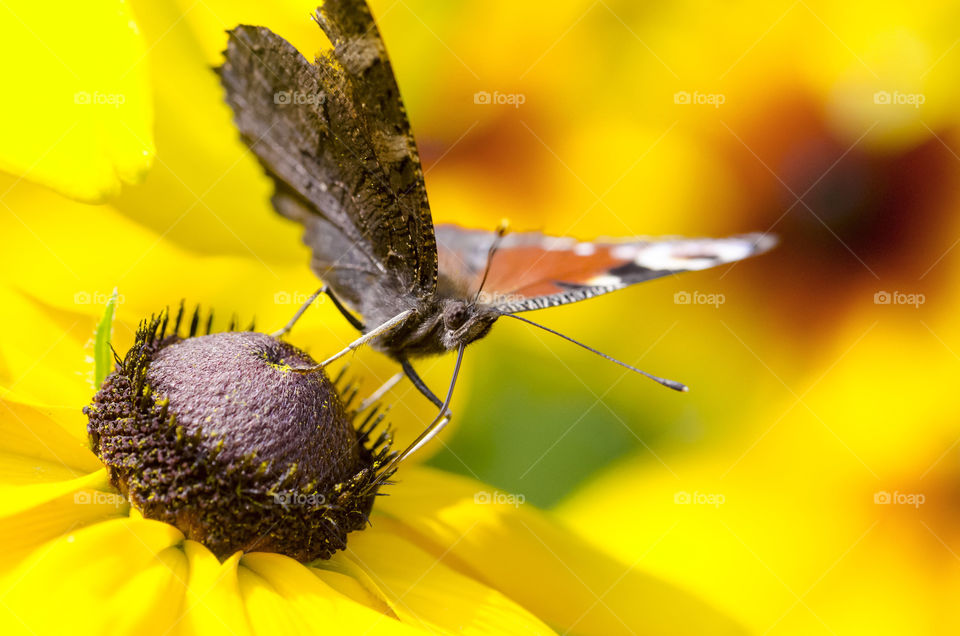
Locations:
(531, 270)
(335, 138)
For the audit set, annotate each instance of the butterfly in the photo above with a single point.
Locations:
(334, 137)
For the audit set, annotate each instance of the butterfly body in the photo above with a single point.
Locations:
(437, 325)
(334, 137)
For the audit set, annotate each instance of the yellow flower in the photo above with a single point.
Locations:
(443, 553)
(77, 110)
(600, 147)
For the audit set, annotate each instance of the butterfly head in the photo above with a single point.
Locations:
(464, 322)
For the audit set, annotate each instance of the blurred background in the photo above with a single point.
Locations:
(810, 480)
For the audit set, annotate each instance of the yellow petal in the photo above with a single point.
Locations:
(534, 561)
(43, 357)
(50, 482)
(119, 576)
(75, 103)
(97, 249)
(290, 18)
(212, 604)
(37, 446)
(349, 579)
(282, 595)
(16, 498)
(425, 592)
(85, 252)
(206, 192)
(31, 519)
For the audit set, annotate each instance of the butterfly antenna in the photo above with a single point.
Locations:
(501, 232)
(437, 425)
(670, 384)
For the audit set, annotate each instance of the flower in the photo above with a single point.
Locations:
(600, 146)
(77, 116)
(221, 436)
(442, 553)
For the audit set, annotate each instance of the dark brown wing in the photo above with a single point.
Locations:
(335, 137)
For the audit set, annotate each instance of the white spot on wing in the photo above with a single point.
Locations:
(693, 255)
(557, 243)
(607, 280)
(584, 249)
(726, 251)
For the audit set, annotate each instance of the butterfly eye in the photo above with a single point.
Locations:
(454, 316)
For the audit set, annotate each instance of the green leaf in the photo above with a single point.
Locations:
(102, 357)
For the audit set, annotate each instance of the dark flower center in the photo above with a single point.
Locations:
(238, 387)
(217, 435)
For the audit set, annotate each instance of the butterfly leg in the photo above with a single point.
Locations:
(376, 332)
(286, 329)
(418, 381)
(374, 397)
(437, 425)
(353, 320)
(408, 369)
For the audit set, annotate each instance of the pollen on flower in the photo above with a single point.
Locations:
(217, 435)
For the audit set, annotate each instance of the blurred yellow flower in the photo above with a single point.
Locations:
(831, 504)
(837, 511)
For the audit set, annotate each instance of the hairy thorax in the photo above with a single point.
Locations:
(438, 326)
